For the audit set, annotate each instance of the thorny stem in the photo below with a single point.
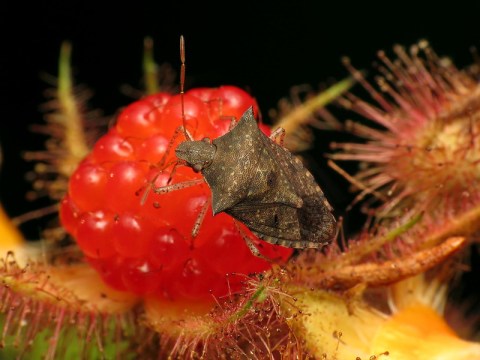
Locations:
(356, 253)
(302, 113)
(433, 249)
(74, 134)
(464, 224)
(34, 214)
(258, 294)
(150, 68)
(389, 272)
(35, 288)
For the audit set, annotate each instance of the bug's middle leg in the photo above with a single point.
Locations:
(251, 246)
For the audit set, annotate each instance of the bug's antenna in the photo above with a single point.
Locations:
(182, 85)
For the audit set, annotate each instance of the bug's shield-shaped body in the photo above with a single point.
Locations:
(265, 187)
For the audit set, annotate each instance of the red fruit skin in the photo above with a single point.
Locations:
(69, 215)
(139, 119)
(141, 241)
(202, 93)
(158, 100)
(233, 101)
(94, 234)
(222, 246)
(88, 186)
(110, 270)
(168, 208)
(195, 114)
(196, 280)
(139, 276)
(113, 147)
(152, 149)
(126, 179)
(132, 235)
(169, 249)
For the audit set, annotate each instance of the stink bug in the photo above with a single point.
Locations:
(258, 182)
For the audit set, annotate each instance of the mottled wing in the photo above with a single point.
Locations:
(264, 186)
(275, 223)
(315, 221)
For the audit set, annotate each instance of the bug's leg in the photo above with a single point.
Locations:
(253, 248)
(177, 186)
(150, 186)
(178, 131)
(233, 121)
(278, 133)
(200, 218)
(174, 170)
(168, 188)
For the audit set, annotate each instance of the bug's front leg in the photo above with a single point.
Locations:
(200, 218)
(177, 186)
(178, 131)
(168, 188)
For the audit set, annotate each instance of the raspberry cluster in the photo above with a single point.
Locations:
(146, 247)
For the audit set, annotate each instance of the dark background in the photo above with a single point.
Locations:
(266, 48)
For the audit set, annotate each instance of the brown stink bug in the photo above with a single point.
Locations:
(258, 182)
(261, 184)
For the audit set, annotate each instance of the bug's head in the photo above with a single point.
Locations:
(197, 154)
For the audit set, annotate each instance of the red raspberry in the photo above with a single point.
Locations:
(148, 249)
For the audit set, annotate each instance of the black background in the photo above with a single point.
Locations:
(267, 48)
